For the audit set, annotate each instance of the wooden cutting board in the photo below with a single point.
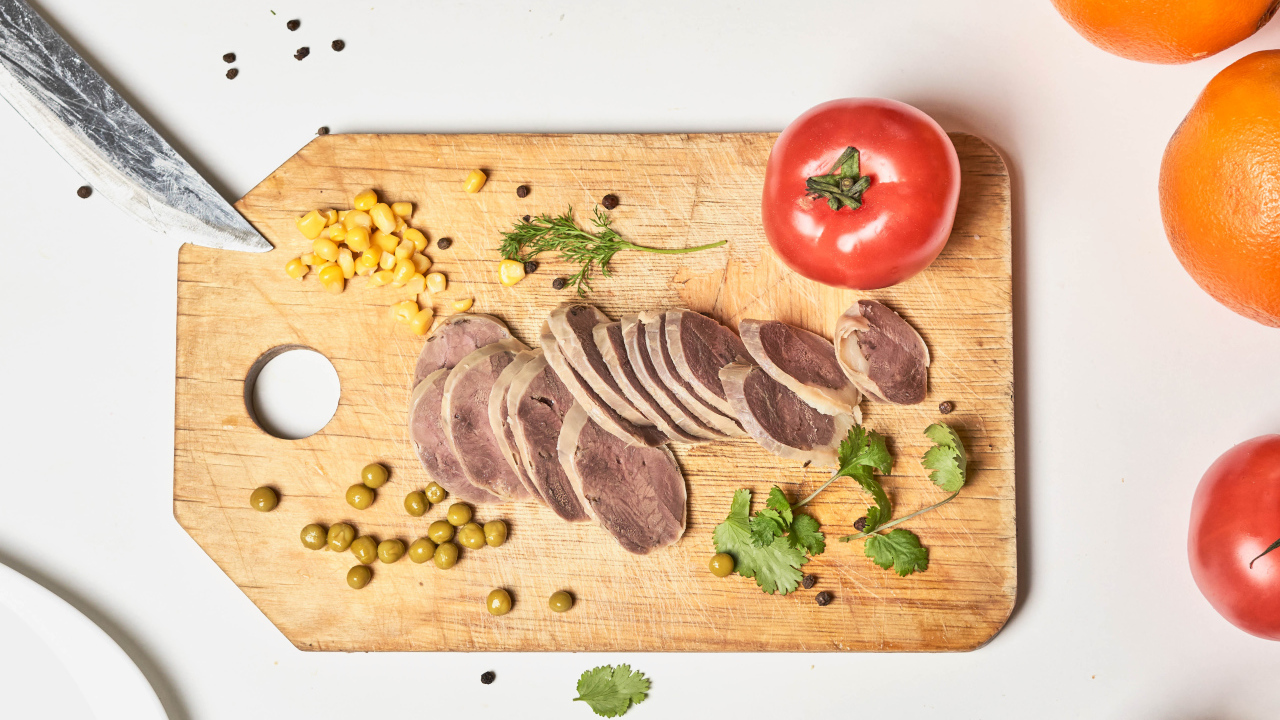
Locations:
(675, 190)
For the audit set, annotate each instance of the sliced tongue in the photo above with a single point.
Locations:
(537, 403)
(458, 336)
(804, 363)
(432, 446)
(500, 420)
(655, 324)
(882, 354)
(699, 347)
(572, 324)
(779, 420)
(465, 415)
(612, 347)
(633, 335)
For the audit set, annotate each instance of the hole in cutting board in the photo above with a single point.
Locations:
(292, 392)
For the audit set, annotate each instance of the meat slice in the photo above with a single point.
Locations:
(599, 410)
(536, 403)
(633, 337)
(804, 362)
(636, 494)
(882, 354)
(500, 420)
(655, 333)
(572, 324)
(699, 347)
(458, 336)
(779, 420)
(432, 446)
(608, 339)
(464, 411)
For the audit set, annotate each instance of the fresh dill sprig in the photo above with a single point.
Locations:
(584, 248)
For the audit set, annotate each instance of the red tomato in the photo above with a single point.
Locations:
(1235, 516)
(907, 209)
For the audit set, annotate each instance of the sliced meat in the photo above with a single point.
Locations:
(500, 420)
(609, 342)
(458, 336)
(779, 420)
(655, 324)
(572, 324)
(432, 446)
(637, 494)
(464, 411)
(882, 354)
(804, 362)
(599, 410)
(633, 337)
(536, 403)
(699, 347)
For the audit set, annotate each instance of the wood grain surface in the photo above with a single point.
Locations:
(675, 190)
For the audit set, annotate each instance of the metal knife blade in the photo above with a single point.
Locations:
(106, 141)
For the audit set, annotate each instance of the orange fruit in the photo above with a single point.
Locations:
(1166, 31)
(1220, 188)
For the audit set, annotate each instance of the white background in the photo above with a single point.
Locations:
(1130, 380)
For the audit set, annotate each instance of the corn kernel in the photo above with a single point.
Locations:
(404, 249)
(385, 241)
(404, 311)
(296, 269)
(330, 217)
(366, 264)
(387, 261)
(420, 323)
(403, 209)
(347, 263)
(417, 284)
(436, 282)
(365, 200)
(312, 259)
(337, 233)
(380, 278)
(342, 215)
(510, 272)
(357, 217)
(416, 237)
(475, 181)
(404, 270)
(383, 217)
(311, 224)
(331, 279)
(401, 226)
(358, 239)
(325, 248)
(421, 262)
(463, 305)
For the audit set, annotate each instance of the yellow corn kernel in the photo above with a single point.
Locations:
(357, 239)
(404, 311)
(387, 261)
(347, 263)
(365, 200)
(404, 270)
(324, 232)
(463, 305)
(380, 278)
(401, 225)
(385, 241)
(420, 323)
(331, 279)
(383, 217)
(311, 224)
(510, 272)
(337, 233)
(404, 249)
(475, 181)
(416, 237)
(358, 217)
(417, 284)
(296, 269)
(421, 262)
(366, 264)
(312, 259)
(325, 248)
(330, 217)
(403, 209)
(436, 282)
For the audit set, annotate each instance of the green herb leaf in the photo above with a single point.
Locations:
(766, 525)
(946, 458)
(611, 691)
(777, 501)
(860, 453)
(805, 534)
(900, 549)
(776, 567)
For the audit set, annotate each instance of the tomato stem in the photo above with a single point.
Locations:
(1274, 545)
(843, 185)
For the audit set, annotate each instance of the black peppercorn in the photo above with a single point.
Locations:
(487, 677)
(610, 201)
(557, 284)
(302, 52)
(823, 599)
(324, 130)
(232, 73)
(860, 524)
(229, 58)
(522, 191)
(530, 267)
(293, 24)
(946, 407)
(525, 218)
(809, 581)
(84, 191)
(337, 45)
(444, 243)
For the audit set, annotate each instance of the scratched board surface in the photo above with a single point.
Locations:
(675, 190)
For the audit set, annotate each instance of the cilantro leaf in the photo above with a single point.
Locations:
(946, 458)
(766, 525)
(777, 501)
(805, 534)
(610, 691)
(775, 567)
(860, 453)
(900, 549)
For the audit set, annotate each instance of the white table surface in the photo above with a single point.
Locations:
(1130, 380)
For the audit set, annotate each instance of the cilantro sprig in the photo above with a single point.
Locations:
(770, 545)
(610, 691)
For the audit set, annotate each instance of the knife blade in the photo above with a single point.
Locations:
(106, 140)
